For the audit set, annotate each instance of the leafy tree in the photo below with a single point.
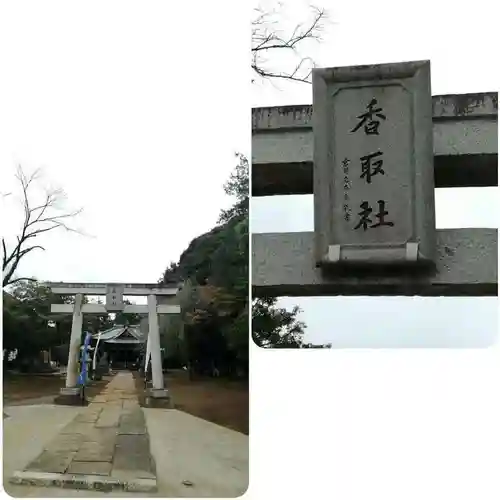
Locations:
(214, 300)
(274, 326)
(29, 326)
(171, 273)
(238, 187)
(126, 319)
(277, 327)
(316, 346)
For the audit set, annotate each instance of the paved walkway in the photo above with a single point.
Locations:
(105, 447)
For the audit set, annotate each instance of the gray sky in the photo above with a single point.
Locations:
(371, 33)
(135, 125)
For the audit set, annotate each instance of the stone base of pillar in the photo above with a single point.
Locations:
(70, 396)
(158, 398)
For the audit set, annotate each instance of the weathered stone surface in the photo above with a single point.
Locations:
(132, 422)
(105, 485)
(283, 265)
(78, 428)
(99, 399)
(51, 461)
(380, 148)
(87, 417)
(128, 427)
(94, 452)
(465, 148)
(106, 447)
(137, 466)
(70, 400)
(92, 410)
(135, 444)
(66, 442)
(105, 435)
(133, 415)
(97, 468)
(132, 455)
(165, 403)
(131, 404)
(132, 430)
(141, 485)
(96, 406)
(108, 419)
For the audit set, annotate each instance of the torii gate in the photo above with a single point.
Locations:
(377, 121)
(114, 293)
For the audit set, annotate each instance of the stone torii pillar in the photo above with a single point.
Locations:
(114, 293)
(153, 346)
(74, 347)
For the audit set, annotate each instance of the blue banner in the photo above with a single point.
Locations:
(83, 362)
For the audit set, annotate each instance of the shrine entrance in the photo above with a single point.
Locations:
(121, 347)
(130, 343)
(124, 358)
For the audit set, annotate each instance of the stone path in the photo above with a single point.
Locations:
(105, 447)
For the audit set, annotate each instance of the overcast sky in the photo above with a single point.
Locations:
(139, 128)
(382, 32)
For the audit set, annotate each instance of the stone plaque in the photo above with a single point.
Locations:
(114, 298)
(373, 165)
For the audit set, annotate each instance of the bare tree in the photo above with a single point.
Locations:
(270, 42)
(38, 219)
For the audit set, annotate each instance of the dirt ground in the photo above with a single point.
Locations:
(220, 401)
(217, 400)
(19, 389)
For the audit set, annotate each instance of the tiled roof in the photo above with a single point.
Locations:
(114, 334)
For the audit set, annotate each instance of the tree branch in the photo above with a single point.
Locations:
(34, 224)
(268, 39)
(22, 279)
(4, 253)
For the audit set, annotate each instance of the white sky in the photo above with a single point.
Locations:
(140, 129)
(137, 125)
(378, 32)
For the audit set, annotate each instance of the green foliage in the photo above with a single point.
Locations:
(214, 300)
(274, 326)
(29, 325)
(123, 319)
(27, 316)
(214, 269)
(238, 187)
(277, 327)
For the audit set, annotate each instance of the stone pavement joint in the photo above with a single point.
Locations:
(105, 447)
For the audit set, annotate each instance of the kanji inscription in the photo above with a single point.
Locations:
(373, 164)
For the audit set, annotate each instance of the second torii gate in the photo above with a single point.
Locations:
(114, 293)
